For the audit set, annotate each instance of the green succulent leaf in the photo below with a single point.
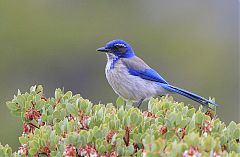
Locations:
(120, 102)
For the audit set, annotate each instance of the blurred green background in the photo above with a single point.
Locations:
(193, 44)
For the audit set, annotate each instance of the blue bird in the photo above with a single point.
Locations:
(132, 79)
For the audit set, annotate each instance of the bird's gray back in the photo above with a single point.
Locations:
(135, 63)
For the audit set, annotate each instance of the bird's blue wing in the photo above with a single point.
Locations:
(147, 74)
(138, 67)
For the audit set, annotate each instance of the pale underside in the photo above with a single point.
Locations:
(130, 87)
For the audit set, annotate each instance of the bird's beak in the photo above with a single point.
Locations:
(103, 49)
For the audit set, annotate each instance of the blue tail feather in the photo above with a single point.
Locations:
(189, 95)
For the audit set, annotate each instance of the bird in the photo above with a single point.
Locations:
(133, 80)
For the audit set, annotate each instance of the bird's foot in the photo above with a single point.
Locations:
(139, 103)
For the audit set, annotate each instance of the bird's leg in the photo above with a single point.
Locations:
(140, 102)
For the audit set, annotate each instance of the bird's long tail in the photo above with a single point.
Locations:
(189, 95)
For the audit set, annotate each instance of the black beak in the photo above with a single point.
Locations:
(103, 49)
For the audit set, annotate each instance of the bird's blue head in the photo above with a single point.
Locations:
(119, 48)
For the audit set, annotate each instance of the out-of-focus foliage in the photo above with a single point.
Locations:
(192, 44)
(68, 125)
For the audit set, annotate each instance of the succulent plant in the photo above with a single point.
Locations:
(68, 125)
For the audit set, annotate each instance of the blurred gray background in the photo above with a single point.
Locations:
(192, 43)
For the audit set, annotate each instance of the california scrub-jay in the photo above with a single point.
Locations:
(132, 79)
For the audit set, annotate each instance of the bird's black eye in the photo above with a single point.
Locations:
(120, 47)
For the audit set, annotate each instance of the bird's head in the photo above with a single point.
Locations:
(119, 48)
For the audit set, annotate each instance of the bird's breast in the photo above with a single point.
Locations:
(115, 75)
(128, 86)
